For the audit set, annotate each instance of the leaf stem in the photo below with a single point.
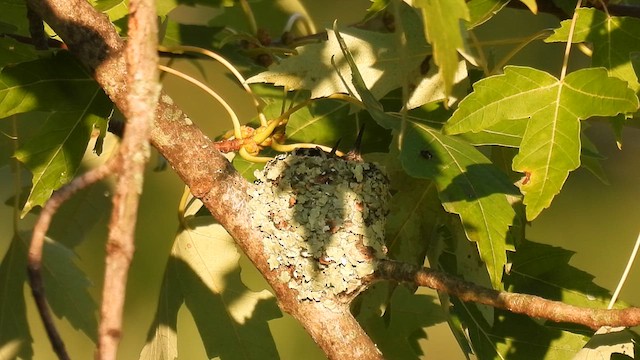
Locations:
(625, 274)
(234, 118)
(481, 54)
(567, 50)
(253, 25)
(290, 147)
(402, 52)
(297, 17)
(228, 65)
(521, 45)
(258, 159)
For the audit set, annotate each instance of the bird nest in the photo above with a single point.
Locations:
(323, 220)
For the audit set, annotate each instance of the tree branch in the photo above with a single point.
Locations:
(530, 305)
(144, 89)
(91, 37)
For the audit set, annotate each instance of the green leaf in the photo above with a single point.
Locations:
(53, 155)
(327, 121)
(444, 29)
(468, 185)
(550, 146)
(541, 270)
(77, 105)
(482, 10)
(531, 4)
(544, 270)
(397, 329)
(13, 52)
(15, 338)
(81, 214)
(609, 341)
(376, 7)
(194, 35)
(14, 13)
(384, 63)
(372, 105)
(231, 319)
(613, 39)
(507, 133)
(246, 168)
(163, 7)
(57, 83)
(66, 286)
(591, 159)
(115, 10)
(514, 336)
(415, 213)
(162, 339)
(486, 216)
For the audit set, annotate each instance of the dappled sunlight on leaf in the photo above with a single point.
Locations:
(550, 147)
(203, 272)
(382, 61)
(14, 329)
(76, 104)
(469, 185)
(445, 14)
(614, 39)
(396, 319)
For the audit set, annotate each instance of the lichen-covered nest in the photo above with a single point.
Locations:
(323, 220)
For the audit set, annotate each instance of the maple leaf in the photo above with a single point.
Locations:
(550, 147)
(613, 39)
(438, 15)
(384, 61)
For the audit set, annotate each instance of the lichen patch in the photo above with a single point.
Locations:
(323, 222)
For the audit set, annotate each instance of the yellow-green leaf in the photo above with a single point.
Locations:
(384, 61)
(444, 29)
(231, 319)
(614, 39)
(550, 146)
(75, 105)
(468, 185)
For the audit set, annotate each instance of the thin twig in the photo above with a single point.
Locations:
(530, 305)
(37, 243)
(144, 89)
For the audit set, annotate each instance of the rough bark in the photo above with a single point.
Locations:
(91, 37)
(142, 79)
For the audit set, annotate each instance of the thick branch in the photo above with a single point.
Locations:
(142, 70)
(92, 38)
(530, 305)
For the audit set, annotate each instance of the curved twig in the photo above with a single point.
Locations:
(37, 243)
